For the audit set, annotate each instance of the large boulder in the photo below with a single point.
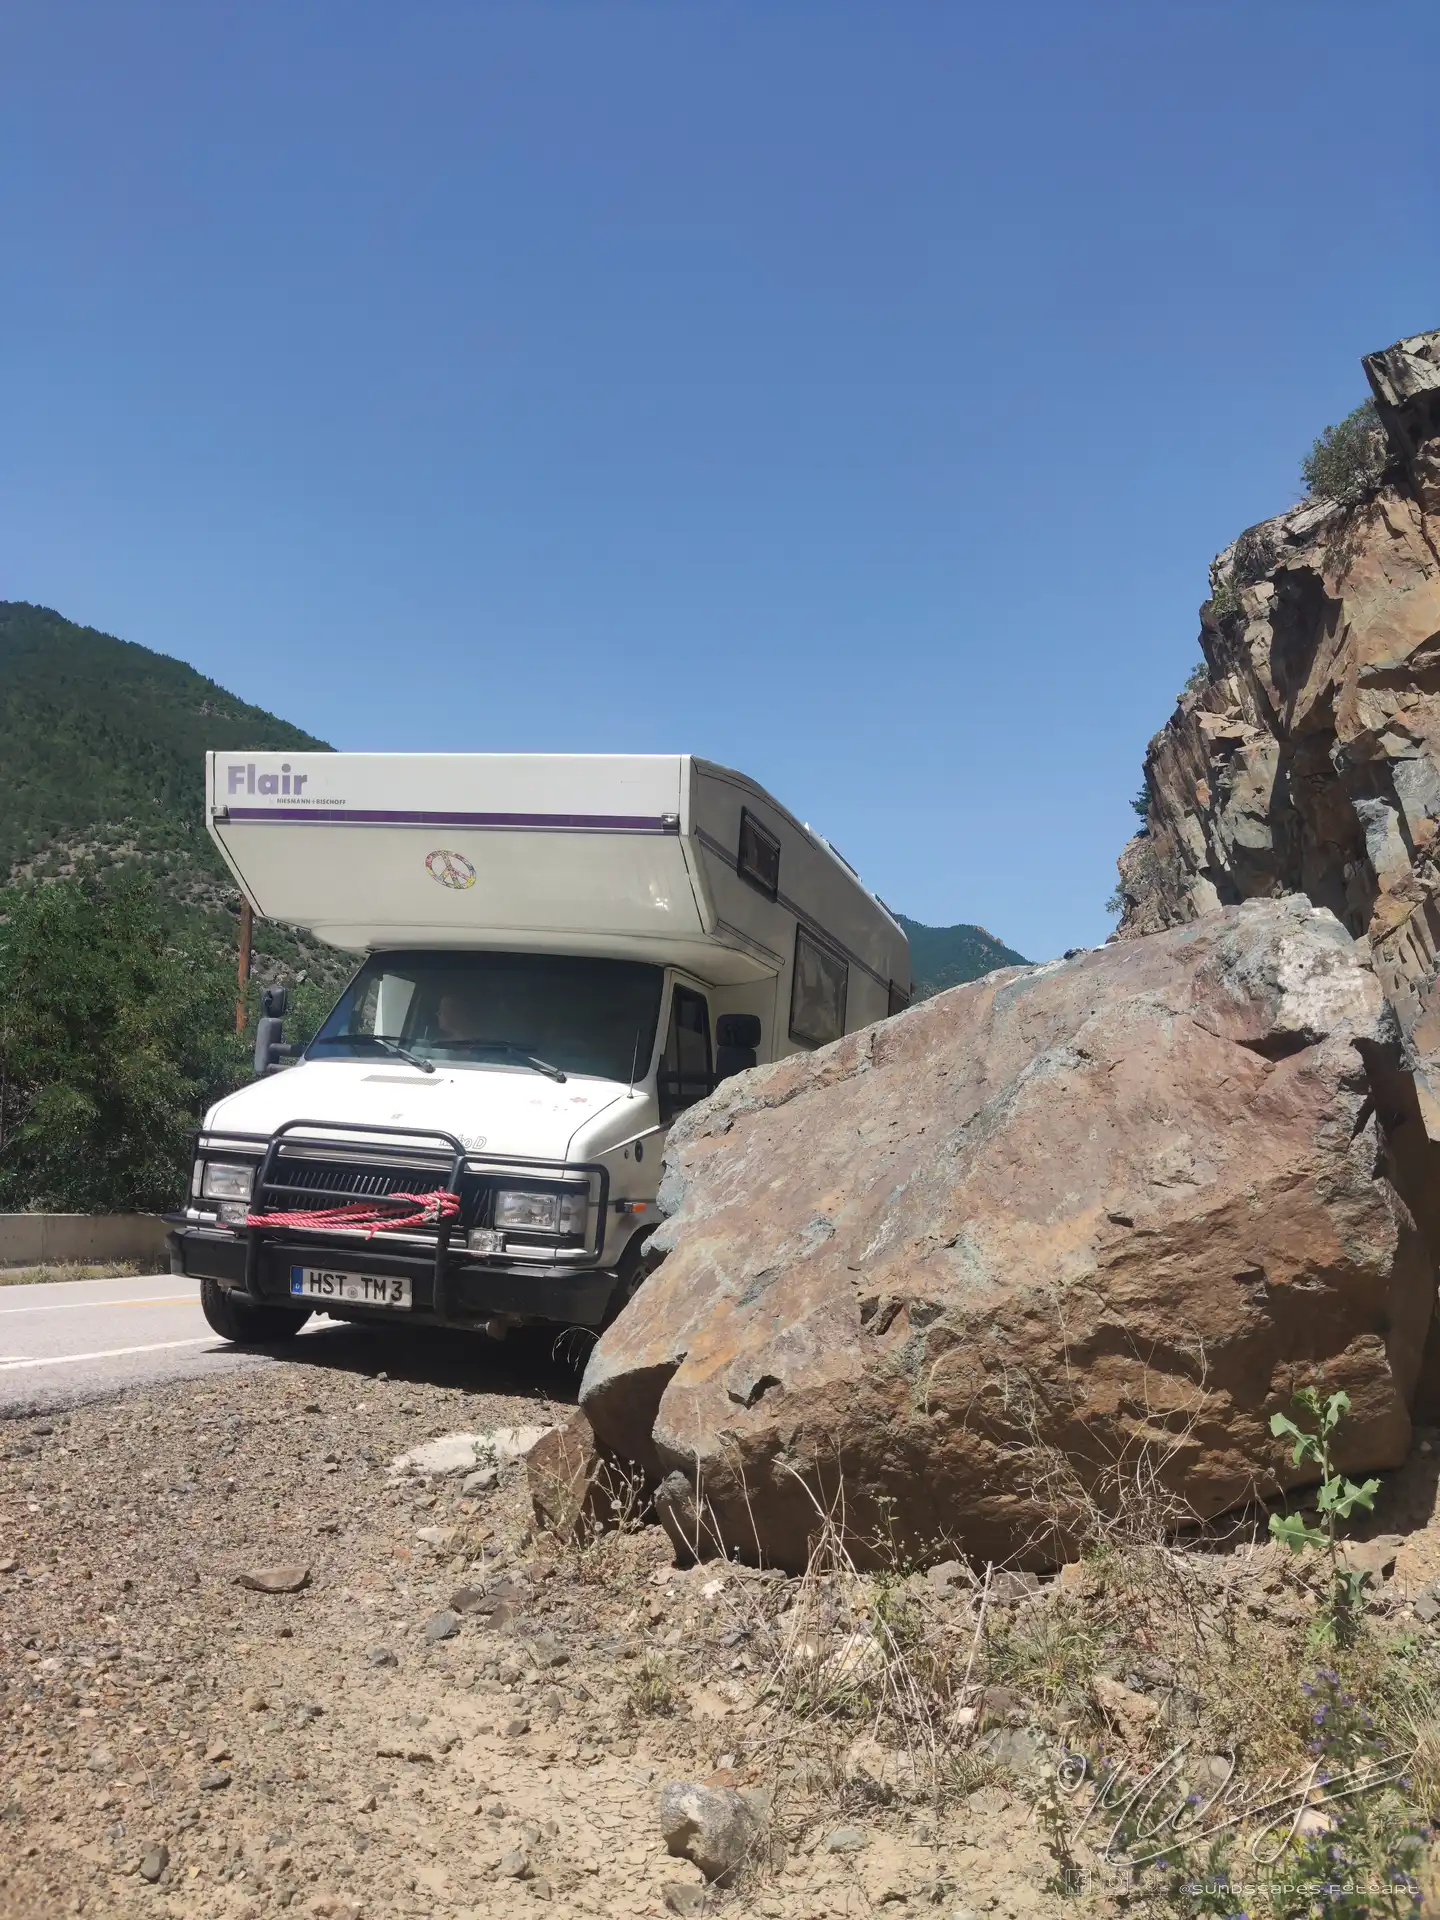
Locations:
(960, 1275)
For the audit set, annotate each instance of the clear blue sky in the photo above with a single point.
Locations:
(854, 394)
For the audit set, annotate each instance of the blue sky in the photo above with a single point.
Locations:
(851, 393)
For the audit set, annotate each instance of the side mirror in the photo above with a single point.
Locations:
(737, 1035)
(270, 1047)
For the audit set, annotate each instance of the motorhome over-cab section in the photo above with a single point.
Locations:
(668, 858)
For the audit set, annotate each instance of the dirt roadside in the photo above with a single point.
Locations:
(174, 1743)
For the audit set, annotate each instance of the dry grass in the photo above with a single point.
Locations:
(76, 1270)
(866, 1687)
(1049, 1654)
(856, 1677)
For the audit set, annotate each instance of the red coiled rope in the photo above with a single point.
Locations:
(432, 1209)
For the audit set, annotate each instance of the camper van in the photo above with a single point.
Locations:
(557, 955)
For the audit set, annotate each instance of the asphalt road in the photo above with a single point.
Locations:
(83, 1339)
(80, 1340)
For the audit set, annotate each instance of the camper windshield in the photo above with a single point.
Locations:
(538, 1012)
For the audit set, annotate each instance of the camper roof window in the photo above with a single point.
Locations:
(759, 860)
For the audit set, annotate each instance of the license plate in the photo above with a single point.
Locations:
(363, 1289)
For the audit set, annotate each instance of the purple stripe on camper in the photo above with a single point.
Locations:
(516, 822)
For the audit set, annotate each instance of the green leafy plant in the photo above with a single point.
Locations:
(1225, 600)
(116, 1032)
(1054, 1812)
(653, 1687)
(1255, 553)
(1141, 804)
(1337, 1500)
(1348, 460)
(1364, 1857)
(1252, 557)
(1359, 1856)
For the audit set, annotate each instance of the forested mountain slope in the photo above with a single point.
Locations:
(99, 737)
(943, 957)
(102, 747)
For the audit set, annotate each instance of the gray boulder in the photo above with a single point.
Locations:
(718, 1828)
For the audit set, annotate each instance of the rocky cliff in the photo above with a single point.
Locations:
(1306, 757)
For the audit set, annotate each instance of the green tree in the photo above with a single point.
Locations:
(116, 1032)
(1347, 461)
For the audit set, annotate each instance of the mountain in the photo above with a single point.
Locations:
(102, 744)
(943, 957)
(94, 729)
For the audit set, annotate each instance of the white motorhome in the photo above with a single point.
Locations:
(561, 952)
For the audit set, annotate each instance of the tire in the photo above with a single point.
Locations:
(632, 1270)
(234, 1317)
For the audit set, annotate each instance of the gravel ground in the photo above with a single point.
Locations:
(172, 1742)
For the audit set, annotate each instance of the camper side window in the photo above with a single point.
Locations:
(818, 992)
(758, 860)
(685, 1073)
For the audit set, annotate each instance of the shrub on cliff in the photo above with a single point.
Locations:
(1251, 558)
(1347, 461)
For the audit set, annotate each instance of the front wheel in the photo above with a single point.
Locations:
(234, 1317)
(633, 1269)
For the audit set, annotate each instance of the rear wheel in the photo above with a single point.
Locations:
(234, 1317)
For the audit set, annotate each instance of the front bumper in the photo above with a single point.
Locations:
(471, 1293)
(320, 1164)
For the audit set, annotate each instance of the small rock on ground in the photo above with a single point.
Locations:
(717, 1828)
(274, 1579)
(154, 1863)
(846, 1840)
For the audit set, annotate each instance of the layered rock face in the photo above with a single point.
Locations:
(1111, 1211)
(1308, 760)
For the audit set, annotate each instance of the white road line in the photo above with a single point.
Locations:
(79, 1306)
(111, 1353)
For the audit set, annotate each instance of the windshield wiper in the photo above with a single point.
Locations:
(376, 1040)
(403, 1053)
(508, 1046)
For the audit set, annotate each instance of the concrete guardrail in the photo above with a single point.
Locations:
(53, 1239)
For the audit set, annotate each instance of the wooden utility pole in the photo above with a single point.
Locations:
(242, 971)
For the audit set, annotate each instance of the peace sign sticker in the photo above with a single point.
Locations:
(450, 869)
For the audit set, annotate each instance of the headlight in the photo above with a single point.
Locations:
(542, 1212)
(225, 1180)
